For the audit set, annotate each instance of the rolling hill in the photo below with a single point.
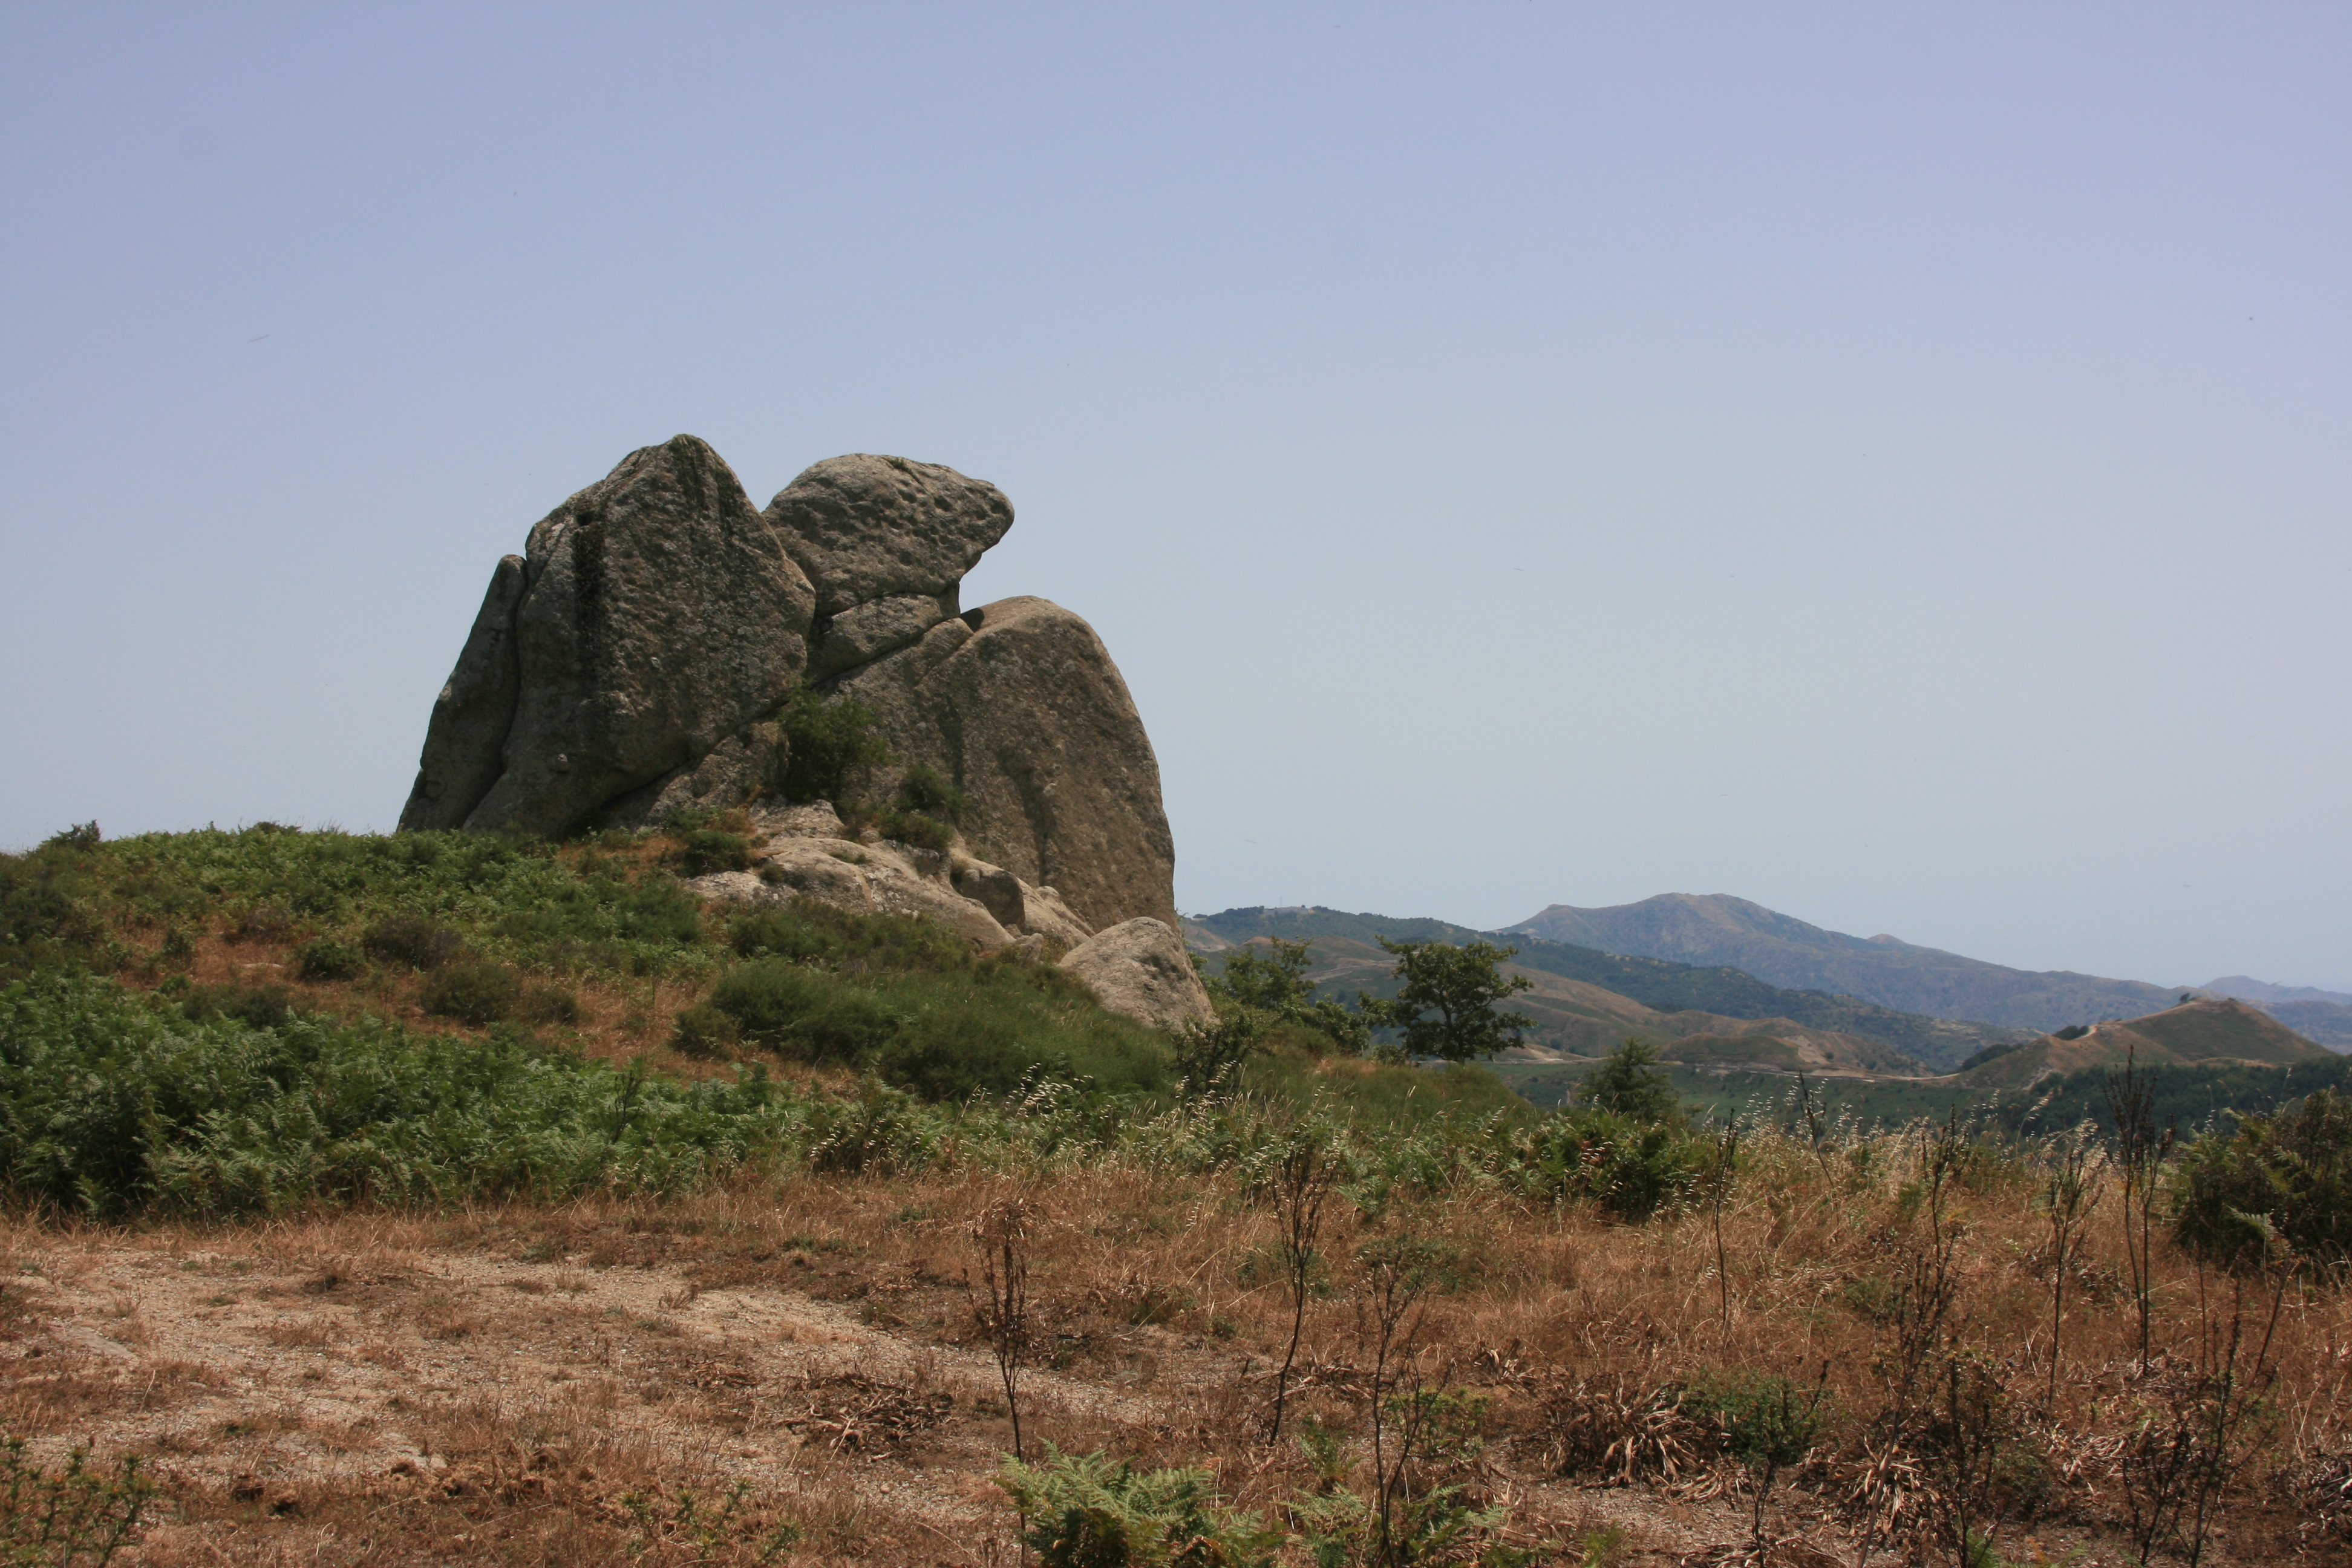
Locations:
(2216, 1031)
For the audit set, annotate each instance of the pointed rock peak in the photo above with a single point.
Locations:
(867, 527)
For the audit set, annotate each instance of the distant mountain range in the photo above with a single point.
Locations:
(2315, 1014)
(1715, 929)
(1615, 994)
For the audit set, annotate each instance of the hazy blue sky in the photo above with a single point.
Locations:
(1890, 462)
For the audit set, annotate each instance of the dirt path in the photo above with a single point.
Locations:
(328, 1398)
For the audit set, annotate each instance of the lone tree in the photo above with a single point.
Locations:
(1275, 983)
(1460, 985)
(1626, 1084)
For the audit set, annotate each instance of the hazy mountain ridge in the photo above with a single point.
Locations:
(1579, 1022)
(2246, 988)
(2330, 1023)
(1661, 988)
(1718, 929)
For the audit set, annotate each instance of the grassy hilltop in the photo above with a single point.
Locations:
(441, 1198)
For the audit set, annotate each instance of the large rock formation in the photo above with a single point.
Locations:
(632, 661)
(1018, 704)
(655, 615)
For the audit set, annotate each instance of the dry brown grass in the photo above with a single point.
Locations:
(496, 1385)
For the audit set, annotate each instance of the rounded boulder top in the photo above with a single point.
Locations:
(867, 527)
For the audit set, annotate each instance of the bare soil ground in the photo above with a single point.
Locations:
(588, 1384)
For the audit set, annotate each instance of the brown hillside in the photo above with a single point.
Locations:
(2216, 1030)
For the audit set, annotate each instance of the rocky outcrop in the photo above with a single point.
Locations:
(632, 663)
(659, 617)
(866, 879)
(1019, 705)
(1140, 967)
(866, 528)
(464, 743)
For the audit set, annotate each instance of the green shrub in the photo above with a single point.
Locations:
(1762, 1420)
(411, 941)
(2283, 1178)
(45, 908)
(913, 827)
(779, 934)
(861, 943)
(78, 1517)
(805, 1013)
(1085, 1510)
(262, 1006)
(474, 994)
(1630, 1171)
(548, 1005)
(1209, 1057)
(704, 1031)
(108, 1107)
(1626, 1085)
(831, 749)
(707, 850)
(327, 958)
(956, 1051)
(922, 790)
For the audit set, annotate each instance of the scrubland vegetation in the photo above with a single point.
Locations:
(437, 1198)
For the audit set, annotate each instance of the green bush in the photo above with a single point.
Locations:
(412, 940)
(327, 958)
(704, 1031)
(922, 790)
(110, 1107)
(779, 934)
(45, 908)
(1762, 1420)
(707, 850)
(1085, 1510)
(474, 994)
(831, 749)
(1626, 1085)
(79, 1517)
(956, 1051)
(1630, 1171)
(2283, 1178)
(913, 827)
(804, 1013)
(852, 943)
(262, 1006)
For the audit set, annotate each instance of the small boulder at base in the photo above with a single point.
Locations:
(1140, 967)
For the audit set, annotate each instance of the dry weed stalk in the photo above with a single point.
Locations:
(2070, 1194)
(1003, 1234)
(2141, 1150)
(1302, 1183)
